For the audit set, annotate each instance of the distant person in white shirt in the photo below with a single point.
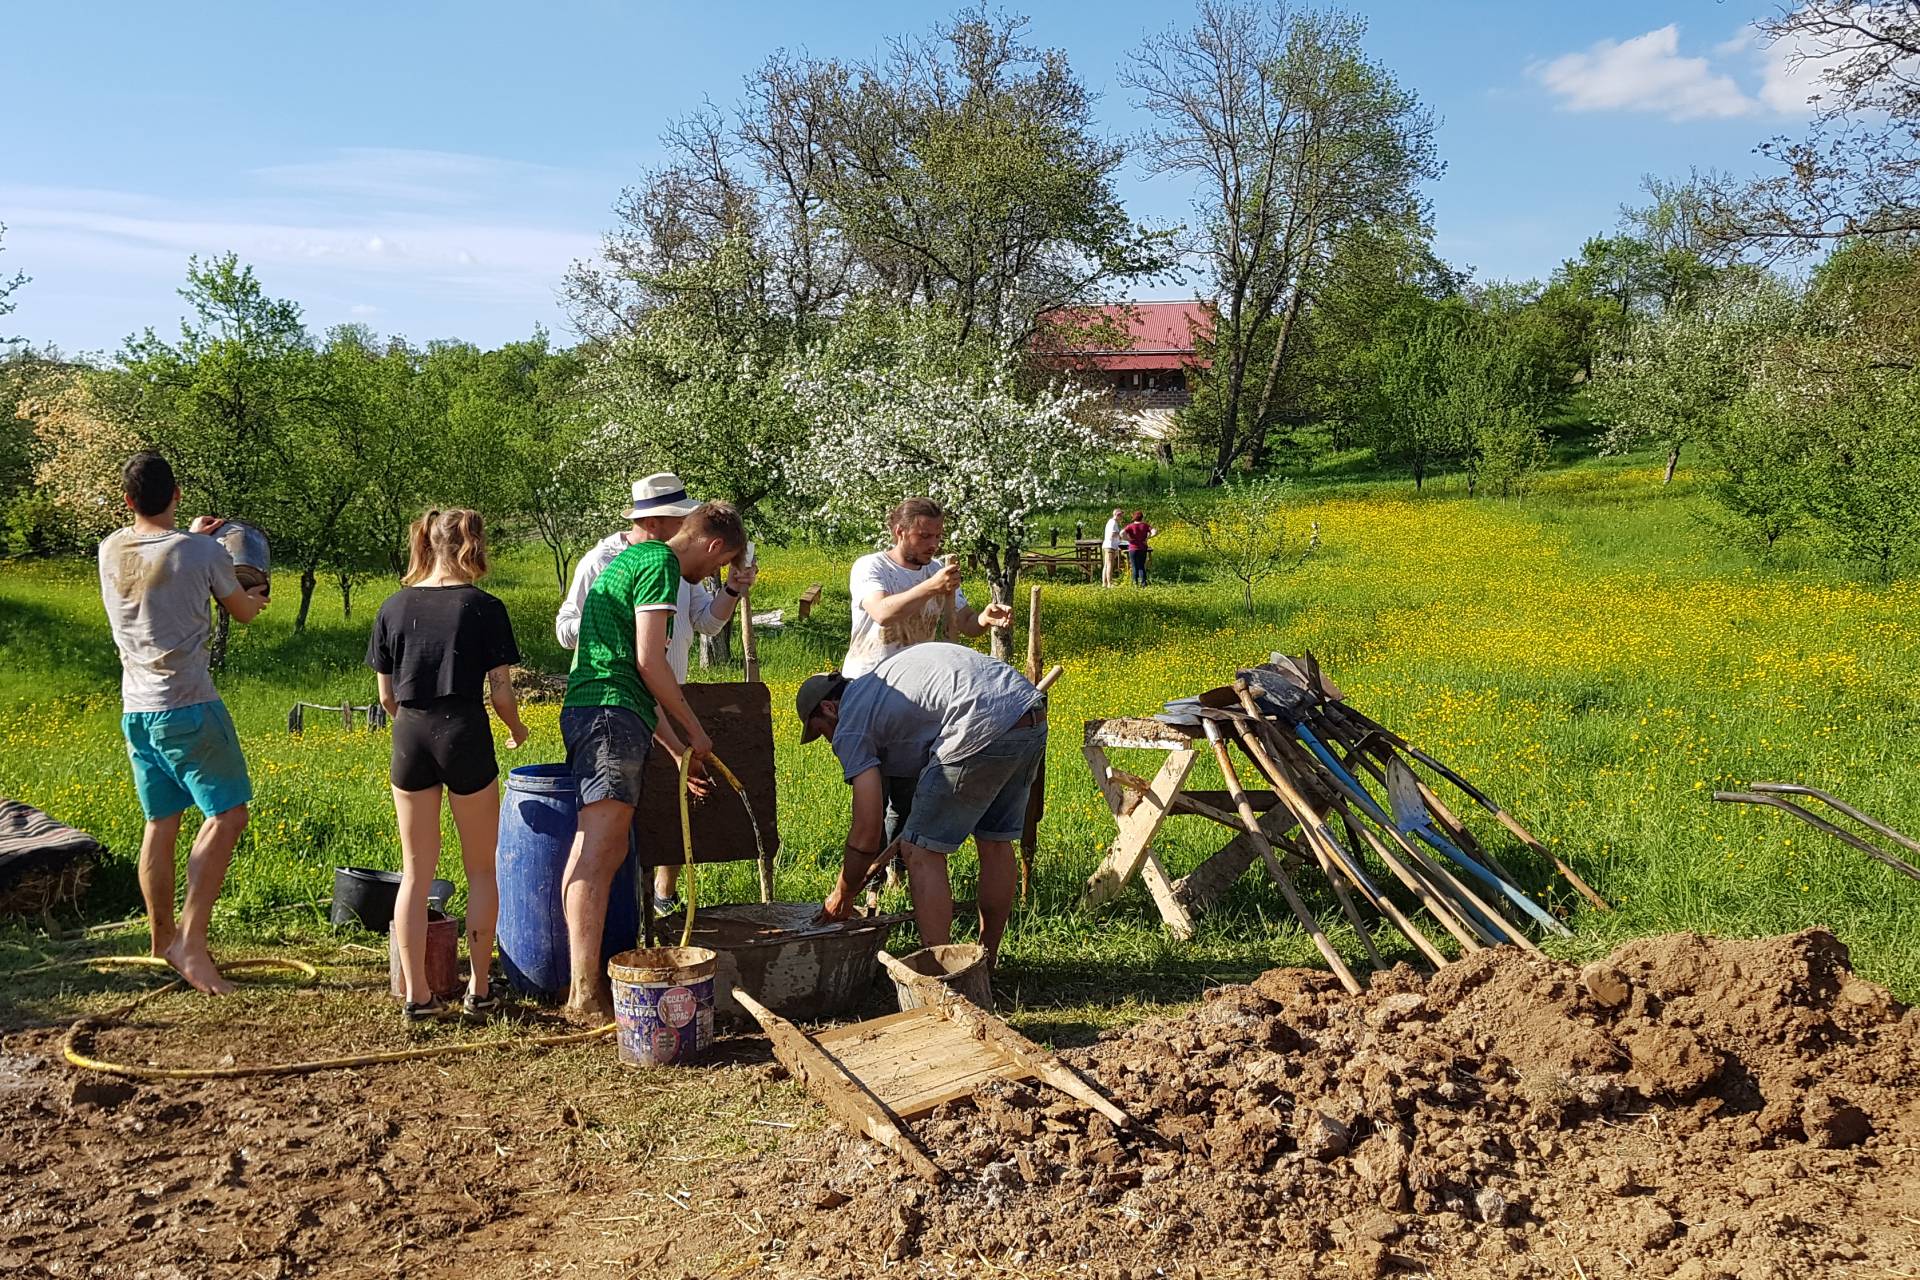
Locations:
(660, 504)
(1112, 547)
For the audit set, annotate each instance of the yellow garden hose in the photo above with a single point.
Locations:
(85, 1027)
(686, 830)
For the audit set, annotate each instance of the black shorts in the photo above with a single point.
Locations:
(444, 743)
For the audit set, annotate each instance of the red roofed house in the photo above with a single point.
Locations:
(1143, 352)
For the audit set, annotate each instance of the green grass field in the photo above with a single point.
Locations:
(1592, 656)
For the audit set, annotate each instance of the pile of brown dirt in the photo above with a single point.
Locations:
(1688, 1107)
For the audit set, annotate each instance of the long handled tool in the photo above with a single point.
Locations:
(1770, 793)
(1272, 860)
(1487, 921)
(1251, 734)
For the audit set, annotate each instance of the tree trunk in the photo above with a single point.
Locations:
(1419, 476)
(1003, 574)
(346, 597)
(308, 581)
(222, 626)
(1258, 435)
(1673, 460)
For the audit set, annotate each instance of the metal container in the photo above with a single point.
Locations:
(960, 966)
(248, 547)
(775, 953)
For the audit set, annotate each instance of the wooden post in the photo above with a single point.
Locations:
(1137, 829)
(1037, 794)
(849, 1100)
(749, 651)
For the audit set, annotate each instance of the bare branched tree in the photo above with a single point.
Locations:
(1856, 173)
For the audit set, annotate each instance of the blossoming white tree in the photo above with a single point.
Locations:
(989, 455)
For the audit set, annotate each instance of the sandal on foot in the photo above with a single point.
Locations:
(430, 1010)
(482, 1007)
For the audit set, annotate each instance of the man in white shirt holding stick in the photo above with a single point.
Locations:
(899, 597)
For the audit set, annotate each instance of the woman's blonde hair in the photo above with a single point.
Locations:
(455, 539)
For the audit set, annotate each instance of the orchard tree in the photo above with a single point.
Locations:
(1866, 487)
(1684, 366)
(1249, 533)
(992, 455)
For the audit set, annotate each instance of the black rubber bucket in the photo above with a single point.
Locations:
(366, 897)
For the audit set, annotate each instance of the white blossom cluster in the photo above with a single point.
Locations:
(988, 456)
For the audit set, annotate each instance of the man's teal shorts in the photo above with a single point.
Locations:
(187, 756)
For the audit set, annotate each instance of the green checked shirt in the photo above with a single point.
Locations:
(645, 578)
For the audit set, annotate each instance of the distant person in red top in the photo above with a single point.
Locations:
(1136, 535)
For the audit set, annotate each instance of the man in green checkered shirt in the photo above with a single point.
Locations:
(620, 684)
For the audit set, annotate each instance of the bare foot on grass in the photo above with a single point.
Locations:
(163, 940)
(589, 1014)
(196, 965)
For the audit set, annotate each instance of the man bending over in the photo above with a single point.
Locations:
(972, 731)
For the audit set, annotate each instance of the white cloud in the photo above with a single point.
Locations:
(1787, 79)
(1647, 74)
(409, 176)
(362, 310)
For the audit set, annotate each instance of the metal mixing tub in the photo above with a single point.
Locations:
(796, 968)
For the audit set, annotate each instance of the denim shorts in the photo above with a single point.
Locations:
(607, 751)
(187, 756)
(983, 796)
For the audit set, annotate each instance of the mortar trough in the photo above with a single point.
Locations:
(775, 952)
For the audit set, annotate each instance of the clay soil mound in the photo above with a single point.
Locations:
(1688, 1107)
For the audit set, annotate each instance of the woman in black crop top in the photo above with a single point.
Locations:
(440, 645)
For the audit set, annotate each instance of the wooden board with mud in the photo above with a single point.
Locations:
(739, 719)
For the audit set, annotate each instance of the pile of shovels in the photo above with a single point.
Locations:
(1347, 788)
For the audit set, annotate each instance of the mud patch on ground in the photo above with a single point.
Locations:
(1688, 1107)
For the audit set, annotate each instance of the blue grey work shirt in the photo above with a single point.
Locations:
(929, 702)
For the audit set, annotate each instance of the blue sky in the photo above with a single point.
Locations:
(430, 169)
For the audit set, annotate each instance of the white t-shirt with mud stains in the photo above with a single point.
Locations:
(156, 587)
(873, 643)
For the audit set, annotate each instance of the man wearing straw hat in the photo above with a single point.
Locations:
(660, 506)
(970, 730)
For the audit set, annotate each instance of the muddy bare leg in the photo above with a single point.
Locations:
(932, 894)
(598, 848)
(206, 872)
(157, 850)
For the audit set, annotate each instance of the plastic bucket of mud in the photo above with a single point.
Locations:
(663, 1004)
(961, 967)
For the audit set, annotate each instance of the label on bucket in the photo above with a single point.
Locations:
(663, 1023)
(677, 1007)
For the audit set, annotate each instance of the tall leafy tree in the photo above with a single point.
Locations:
(1297, 140)
(1684, 366)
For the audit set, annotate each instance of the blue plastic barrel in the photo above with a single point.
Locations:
(538, 813)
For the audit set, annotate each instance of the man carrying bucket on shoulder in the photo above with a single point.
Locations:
(155, 582)
(620, 684)
(660, 504)
(971, 731)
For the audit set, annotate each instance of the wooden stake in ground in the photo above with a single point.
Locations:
(840, 1093)
(1037, 795)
